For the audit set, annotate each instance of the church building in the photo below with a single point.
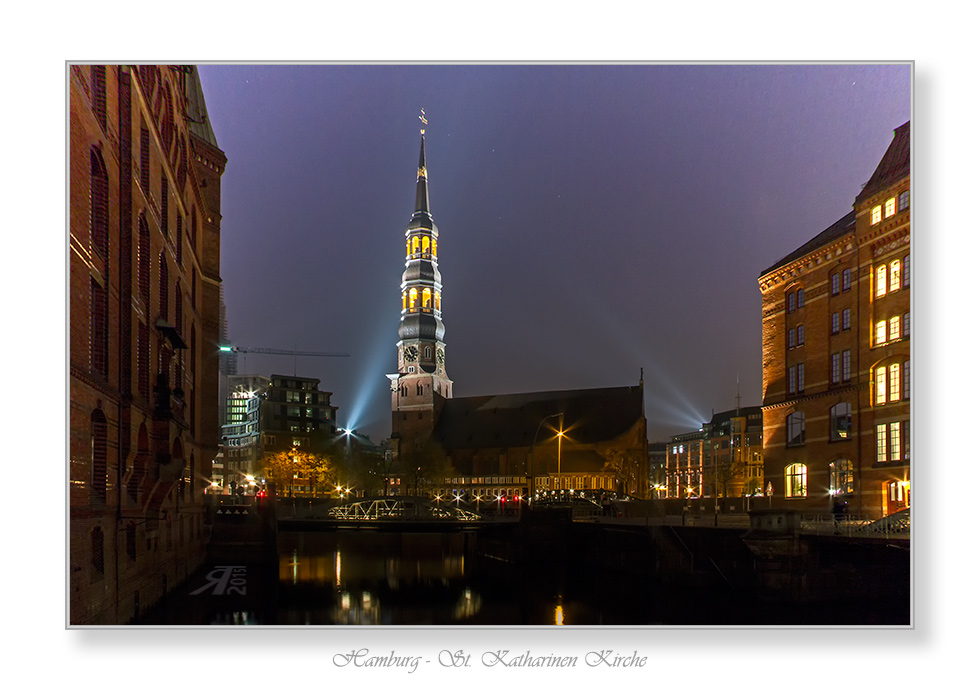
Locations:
(508, 446)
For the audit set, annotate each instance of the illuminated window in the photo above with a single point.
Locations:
(894, 382)
(895, 441)
(438, 303)
(433, 246)
(426, 298)
(796, 480)
(404, 301)
(415, 244)
(880, 332)
(894, 276)
(876, 215)
(795, 428)
(840, 421)
(408, 247)
(881, 442)
(881, 384)
(890, 207)
(894, 328)
(425, 244)
(412, 298)
(881, 281)
(842, 477)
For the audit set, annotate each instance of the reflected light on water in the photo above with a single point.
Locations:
(559, 615)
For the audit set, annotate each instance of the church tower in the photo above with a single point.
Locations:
(421, 384)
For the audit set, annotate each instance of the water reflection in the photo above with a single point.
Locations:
(371, 578)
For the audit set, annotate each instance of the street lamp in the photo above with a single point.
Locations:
(534, 442)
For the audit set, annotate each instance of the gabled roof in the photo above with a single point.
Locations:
(894, 165)
(198, 122)
(841, 227)
(511, 420)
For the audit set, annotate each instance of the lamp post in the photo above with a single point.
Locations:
(530, 460)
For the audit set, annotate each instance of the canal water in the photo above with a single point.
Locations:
(424, 579)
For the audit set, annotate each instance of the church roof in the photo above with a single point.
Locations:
(511, 420)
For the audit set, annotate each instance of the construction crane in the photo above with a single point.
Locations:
(273, 351)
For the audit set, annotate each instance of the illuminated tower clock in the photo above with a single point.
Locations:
(421, 380)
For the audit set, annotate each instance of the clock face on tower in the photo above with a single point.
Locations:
(411, 354)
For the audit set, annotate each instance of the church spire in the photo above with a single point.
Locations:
(422, 350)
(422, 216)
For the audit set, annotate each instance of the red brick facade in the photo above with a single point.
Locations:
(836, 401)
(144, 239)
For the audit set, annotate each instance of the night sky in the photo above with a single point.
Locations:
(594, 219)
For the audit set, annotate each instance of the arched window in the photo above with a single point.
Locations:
(165, 206)
(99, 331)
(425, 244)
(881, 280)
(415, 244)
(796, 480)
(426, 298)
(100, 454)
(99, 95)
(433, 246)
(438, 304)
(143, 259)
(842, 477)
(164, 286)
(413, 295)
(99, 205)
(143, 360)
(894, 276)
(404, 301)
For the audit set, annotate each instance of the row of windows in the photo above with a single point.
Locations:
(892, 440)
(840, 367)
(893, 382)
(840, 425)
(794, 376)
(895, 328)
(841, 478)
(840, 321)
(893, 276)
(889, 208)
(410, 299)
(840, 282)
(420, 244)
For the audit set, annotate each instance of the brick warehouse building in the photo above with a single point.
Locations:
(144, 240)
(836, 354)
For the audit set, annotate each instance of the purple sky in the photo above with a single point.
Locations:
(594, 220)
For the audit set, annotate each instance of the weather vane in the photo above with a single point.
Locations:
(424, 122)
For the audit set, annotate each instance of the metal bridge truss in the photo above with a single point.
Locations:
(400, 508)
